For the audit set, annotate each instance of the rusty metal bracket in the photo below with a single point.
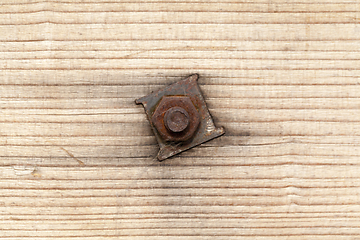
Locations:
(179, 117)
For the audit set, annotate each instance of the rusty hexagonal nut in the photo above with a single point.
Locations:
(176, 118)
(174, 113)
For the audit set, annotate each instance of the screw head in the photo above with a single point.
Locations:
(176, 119)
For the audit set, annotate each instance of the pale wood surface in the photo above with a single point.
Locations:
(77, 156)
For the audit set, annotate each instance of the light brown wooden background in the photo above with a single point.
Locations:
(77, 156)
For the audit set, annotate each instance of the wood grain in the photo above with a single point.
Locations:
(77, 156)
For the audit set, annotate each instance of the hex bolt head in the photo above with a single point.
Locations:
(175, 130)
(176, 119)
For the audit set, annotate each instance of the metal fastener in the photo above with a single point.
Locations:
(176, 118)
(179, 117)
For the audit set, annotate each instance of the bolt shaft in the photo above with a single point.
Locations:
(176, 119)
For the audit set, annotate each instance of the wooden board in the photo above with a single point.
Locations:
(77, 156)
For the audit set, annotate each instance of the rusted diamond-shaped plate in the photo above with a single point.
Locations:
(206, 130)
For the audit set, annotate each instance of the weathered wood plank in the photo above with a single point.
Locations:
(177, 17)
(232, 91)
(152, 32)
(181, 6)
(173, 45)
(77, 156)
